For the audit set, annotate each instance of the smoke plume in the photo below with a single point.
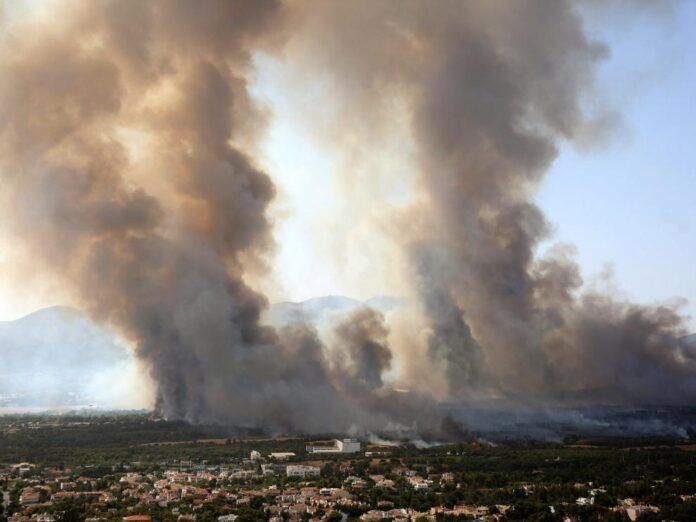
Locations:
(362, 340)
(490, 90)
(128, 142)
(121, 151)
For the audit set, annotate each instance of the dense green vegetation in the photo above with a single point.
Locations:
(529, 477)
(108, 440)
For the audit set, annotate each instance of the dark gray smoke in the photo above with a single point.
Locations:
(362, 346)
(127, 139)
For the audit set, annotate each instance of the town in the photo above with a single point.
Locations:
(279, 479)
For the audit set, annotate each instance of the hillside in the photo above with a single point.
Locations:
(53, 355)
(58, 356)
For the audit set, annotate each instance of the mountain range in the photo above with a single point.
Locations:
(58, 355)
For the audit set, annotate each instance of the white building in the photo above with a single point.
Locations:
(348, 445)
(302, 471)
(255, 456)
(270, 469)
(339, 446)
(282, 455)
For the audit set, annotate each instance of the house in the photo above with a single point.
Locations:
(29, 497)
(418, 483)
(23, 467)
(637, 510)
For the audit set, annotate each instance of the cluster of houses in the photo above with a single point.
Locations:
(186, 489)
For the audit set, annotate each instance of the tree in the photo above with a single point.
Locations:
(72, 514)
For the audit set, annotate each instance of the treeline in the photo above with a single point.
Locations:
(111, 440)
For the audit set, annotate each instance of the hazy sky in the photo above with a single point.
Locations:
(628, 204)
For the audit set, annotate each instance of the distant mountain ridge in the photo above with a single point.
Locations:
(315, 310)
(56, 337)
(54, 354)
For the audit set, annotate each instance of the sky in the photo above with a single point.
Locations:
(631, 204)
(627, 204)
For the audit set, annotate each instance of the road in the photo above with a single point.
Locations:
(5, 501)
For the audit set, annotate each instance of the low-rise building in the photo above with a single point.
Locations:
(339, 446)
(302, 471)
(29, 497)
(283, 455)
(637, 510)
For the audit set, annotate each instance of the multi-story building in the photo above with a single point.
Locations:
(339, 446)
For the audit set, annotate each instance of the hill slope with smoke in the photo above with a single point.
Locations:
(59, 357)
(132, 176)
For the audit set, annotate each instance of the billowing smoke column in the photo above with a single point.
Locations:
(122, 135)
(127, 136)
(490, 88)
